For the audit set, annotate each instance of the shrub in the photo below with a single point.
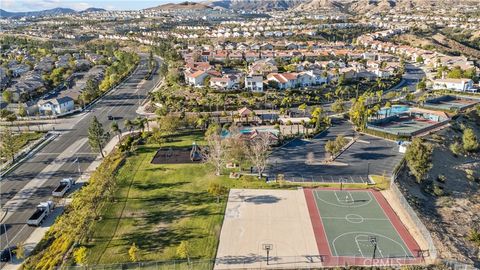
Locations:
(441, 178)
(456, 148)
(437, 190)
(470, 141)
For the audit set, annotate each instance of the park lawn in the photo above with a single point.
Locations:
(158, 206)
(22, 139)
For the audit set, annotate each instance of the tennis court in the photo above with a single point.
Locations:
(358, 227)
(451, 103)
(412, 123)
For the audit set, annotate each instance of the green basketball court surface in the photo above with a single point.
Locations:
(358, 226)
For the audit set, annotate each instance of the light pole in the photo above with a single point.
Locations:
(6, 233)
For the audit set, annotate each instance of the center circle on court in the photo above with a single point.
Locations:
(354, 218)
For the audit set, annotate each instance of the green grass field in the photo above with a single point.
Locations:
(158, 206)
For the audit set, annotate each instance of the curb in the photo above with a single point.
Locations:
(34, 150)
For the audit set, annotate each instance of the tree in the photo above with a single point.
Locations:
(217, 190)
(80, 255)
(422, 85)
(128, 125)
(7, 96)
(215, 154)
(258, 150)
(97, 137)
(8, 144)
(358, 113)
(115, 129)
(22, 112)
(419, 59)
(338, 106)
(470, 141)
(418, 158)
(183, 251)
(20, 252)
(303, 108)
(133, 253)
(236, 147)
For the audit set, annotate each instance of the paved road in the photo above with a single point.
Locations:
(33, 181)
(368, 155)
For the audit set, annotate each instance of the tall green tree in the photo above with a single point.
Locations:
(418, 157)
(97, 137)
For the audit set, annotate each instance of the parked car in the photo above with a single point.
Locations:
(7, 253)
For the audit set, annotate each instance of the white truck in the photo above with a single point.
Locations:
(43, 210)
(63, 187)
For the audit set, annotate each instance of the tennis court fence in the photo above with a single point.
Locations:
(432, 251)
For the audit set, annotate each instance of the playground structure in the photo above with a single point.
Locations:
(178, 155)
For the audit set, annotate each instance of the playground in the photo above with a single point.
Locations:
(451, 103)
(411, 123)
(178, 155)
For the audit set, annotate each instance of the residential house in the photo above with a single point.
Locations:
(254, 83)
(454, 84)
(56, 105)
(283, 80)
(196, 78)
(264, 67)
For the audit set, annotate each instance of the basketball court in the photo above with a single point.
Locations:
(358, 227)
(312, 228)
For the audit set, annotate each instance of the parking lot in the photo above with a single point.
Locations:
(302, 160)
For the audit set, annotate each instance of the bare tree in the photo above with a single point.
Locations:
(236, 146)
(259, 148)
(216, 152)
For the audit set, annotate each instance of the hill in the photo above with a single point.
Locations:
(47, 12)
(180, 6)
(254, 5)
(319, 5)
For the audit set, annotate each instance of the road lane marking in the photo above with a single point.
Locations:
(31, 187)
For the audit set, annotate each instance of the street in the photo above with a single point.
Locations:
(67, 156)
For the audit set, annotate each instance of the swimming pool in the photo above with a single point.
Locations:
(226, 133)
(395, 109)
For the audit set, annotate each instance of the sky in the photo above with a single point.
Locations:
(34, 5)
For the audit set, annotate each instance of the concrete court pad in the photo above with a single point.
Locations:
(257, 217)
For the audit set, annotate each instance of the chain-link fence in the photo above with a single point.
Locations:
(432, 251)
(153, 265)
(262, 262)
(455, 265)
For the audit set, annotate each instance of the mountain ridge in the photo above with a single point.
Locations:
(46, 12)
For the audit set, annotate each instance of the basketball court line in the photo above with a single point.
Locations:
(364, 218)
(369, 233)
(347, 206)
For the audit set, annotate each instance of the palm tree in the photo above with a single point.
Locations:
(115, 129)
(140, 123)
(128, 125)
